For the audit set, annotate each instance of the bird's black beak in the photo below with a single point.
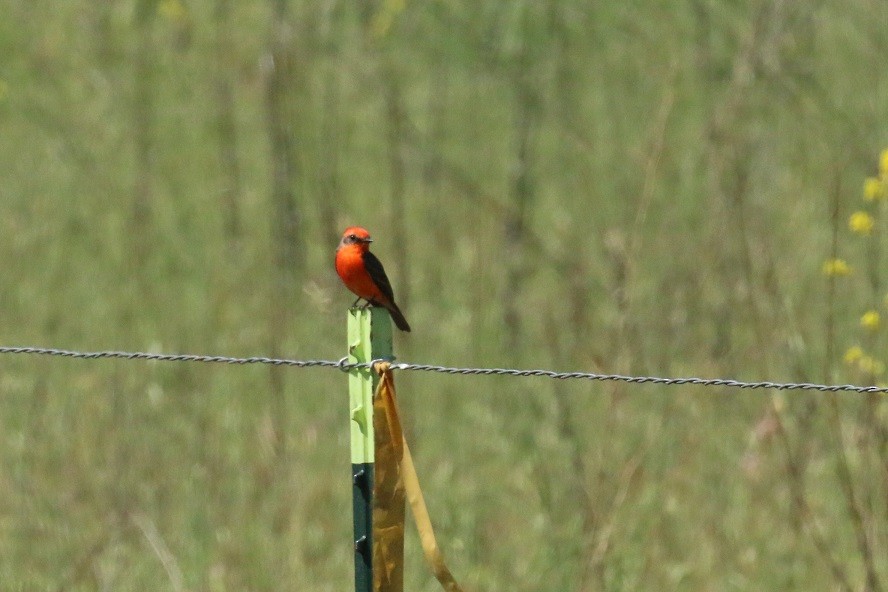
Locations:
(367, 240)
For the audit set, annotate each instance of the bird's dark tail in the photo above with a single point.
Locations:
(397, 316)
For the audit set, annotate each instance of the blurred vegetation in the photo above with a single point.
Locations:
(637, 188)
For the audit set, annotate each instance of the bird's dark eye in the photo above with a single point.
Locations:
(353, 237)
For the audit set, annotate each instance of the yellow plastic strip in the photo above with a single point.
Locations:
(388, 492)
(386, 398)
(430, 549)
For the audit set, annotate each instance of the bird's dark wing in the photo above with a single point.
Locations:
(377, 274)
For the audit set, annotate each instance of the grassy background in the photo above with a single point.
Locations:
(645, 189)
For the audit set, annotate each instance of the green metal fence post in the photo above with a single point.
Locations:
(369, 338)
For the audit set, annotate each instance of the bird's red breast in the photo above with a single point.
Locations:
(353, 272)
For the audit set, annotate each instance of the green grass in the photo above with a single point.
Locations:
(683, 159)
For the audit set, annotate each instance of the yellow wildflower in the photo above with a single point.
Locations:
(838, 267)
(883, 165)
(870, 320)
(870, 365)
(385, 16)
(873, 189)
(172, 10)
(861, 223)
(853, 355)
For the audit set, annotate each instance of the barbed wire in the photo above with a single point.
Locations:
(158, 357)
(726, 382)
(343, 364)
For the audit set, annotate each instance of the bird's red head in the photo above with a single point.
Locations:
(355, 235)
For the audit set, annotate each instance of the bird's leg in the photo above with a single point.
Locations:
(369, 303)
(355, 303)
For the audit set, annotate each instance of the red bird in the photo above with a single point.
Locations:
(363, 274)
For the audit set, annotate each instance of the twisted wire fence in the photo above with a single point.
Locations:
(344, 365)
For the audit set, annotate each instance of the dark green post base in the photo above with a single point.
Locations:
(362, 507)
